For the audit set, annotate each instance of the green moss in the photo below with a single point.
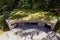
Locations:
(31, 15)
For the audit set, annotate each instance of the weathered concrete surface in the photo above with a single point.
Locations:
(30, 33)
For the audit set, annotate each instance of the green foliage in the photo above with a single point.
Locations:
(30, 4)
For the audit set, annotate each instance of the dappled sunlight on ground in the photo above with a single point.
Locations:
(1, 31)
(31, 15)
(59, 18)
(1, 16)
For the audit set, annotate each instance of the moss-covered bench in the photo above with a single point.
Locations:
(13, 23)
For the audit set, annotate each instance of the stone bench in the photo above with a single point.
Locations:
(13, 23)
